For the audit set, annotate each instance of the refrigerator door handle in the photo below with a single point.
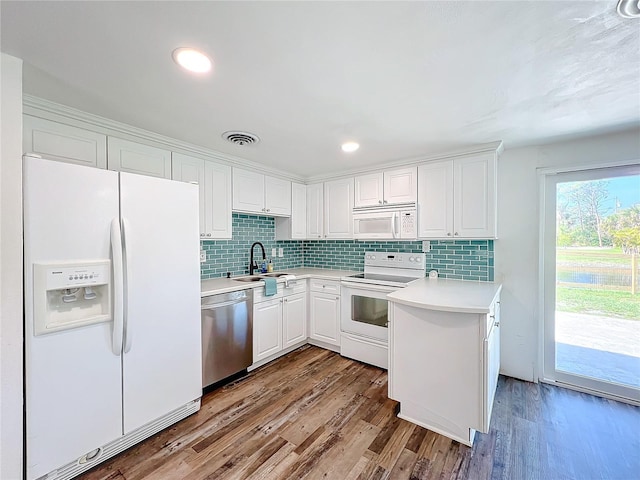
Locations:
(118, 287)
(127, 276)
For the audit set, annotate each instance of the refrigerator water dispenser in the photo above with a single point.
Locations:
(70, 295)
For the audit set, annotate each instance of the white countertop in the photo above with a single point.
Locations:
(448, 295)
(215, 286)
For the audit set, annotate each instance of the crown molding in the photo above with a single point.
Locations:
(49, 110)
(495, 148)
(39, 107)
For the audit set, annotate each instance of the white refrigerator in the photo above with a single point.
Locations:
(112, 312)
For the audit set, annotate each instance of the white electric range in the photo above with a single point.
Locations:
(364, 310)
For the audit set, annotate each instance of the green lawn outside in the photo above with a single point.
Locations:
(592, 256)
(609, 303)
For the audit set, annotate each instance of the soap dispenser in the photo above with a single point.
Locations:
(270, 266)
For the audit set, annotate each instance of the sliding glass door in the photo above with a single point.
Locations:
(591, 245)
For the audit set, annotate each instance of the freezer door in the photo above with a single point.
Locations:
(72, 377)
(162, 363)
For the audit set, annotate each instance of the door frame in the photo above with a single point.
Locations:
(548, 178)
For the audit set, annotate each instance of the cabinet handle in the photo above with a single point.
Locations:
(285, 300)
(337, 298)
(208, 234)
(384, 201)
(456, 233)
(202, 234)
(448, 234)
(268, 209)
(380, 202)
(497, 324)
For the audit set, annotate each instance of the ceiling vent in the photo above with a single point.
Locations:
(241, 138)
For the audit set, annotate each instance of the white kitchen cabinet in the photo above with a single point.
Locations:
(132, 157)
(64, 143)
(368, 190)
(324, 311)
(257, 193)
(456, 397)
(390, 187)
(294, 227)
(294, 319)
(267, 329)
(457, 198)
(400, 185)
(315, 211)
(214, 181)
(338, 206)
(279, 321)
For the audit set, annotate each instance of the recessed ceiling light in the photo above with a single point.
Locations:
(350, 147)
(192, 60)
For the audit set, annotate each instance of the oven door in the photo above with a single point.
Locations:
(364, 310)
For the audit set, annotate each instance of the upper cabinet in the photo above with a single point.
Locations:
(257, 193)
(315, 215)
(294, 227)
(386, 188)
(63, 142)
(338, 205)
(457, 198)
(126, 156)
(214, 181)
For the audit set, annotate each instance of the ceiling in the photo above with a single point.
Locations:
(404, 79)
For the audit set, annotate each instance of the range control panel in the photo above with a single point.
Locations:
(394, 260)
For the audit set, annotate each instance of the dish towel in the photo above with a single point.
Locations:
(270, 287)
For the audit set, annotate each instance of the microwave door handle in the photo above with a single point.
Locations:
(393, 224)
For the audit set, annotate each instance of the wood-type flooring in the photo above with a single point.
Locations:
(314, 414)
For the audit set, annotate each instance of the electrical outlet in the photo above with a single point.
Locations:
(273, 253)
(426, 246)
(281, 252)
(203, 256)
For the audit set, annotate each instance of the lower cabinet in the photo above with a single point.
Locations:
(279, 322)
(267, 329)
(294, 319)
(324, 311)
(455, 397)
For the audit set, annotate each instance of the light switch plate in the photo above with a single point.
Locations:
(203, 256)
(281, 252)
(426, 246)
(273, 253)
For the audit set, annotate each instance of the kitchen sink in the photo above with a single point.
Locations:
(279, 274)
(251, 278)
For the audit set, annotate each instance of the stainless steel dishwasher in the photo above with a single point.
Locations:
(227, 335)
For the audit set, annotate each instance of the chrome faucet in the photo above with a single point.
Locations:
(252, 265)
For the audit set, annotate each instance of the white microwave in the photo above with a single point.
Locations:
(385, 224)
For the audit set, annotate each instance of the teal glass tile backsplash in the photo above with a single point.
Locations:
(457, 259)
(233, 255)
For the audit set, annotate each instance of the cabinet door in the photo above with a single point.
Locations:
(294, 321)
(277, 200)
(298, 211)
(248, 191)
(267, 329)
(324, 317)
(491, 369)
(191, 170)
(63, 142)
(368, 190)
(338, 206)
(475, 201)
(126, 156)
(400, 186)
(315, 207)
(217, 200)
(435, 200)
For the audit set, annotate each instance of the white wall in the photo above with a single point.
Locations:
(10, 268)
(516, 250)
